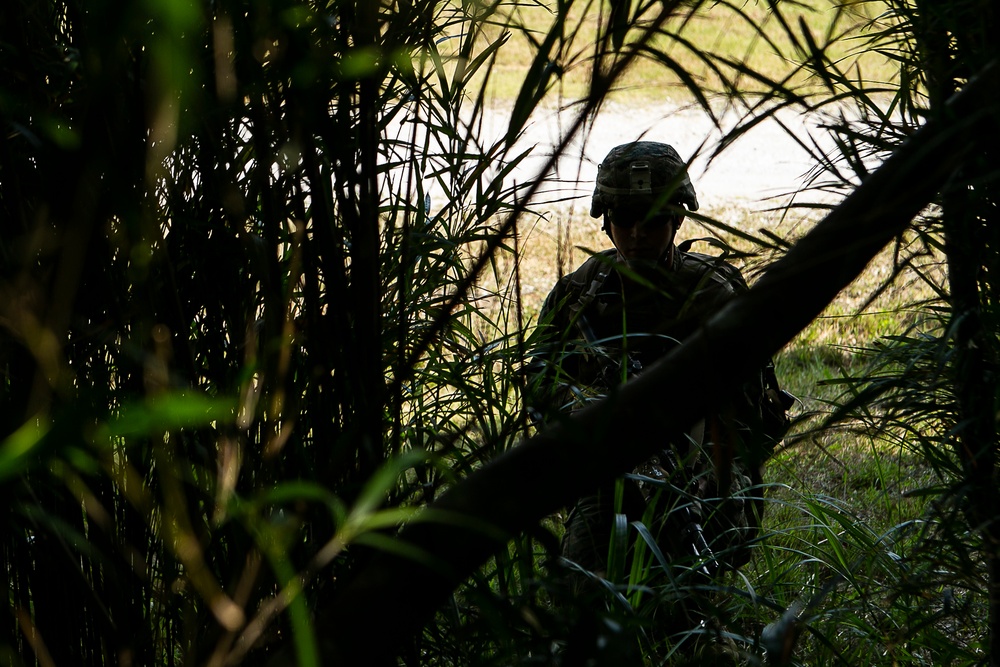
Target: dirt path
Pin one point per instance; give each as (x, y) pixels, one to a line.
(757, 171)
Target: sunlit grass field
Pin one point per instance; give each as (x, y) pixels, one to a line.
(733, 37)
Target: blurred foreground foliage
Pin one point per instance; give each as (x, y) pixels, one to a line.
(259, 305)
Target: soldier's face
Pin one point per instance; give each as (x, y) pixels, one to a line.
(639, 235)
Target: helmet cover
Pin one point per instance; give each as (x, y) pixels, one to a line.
(642, 171)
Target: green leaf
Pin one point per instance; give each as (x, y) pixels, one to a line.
(377, 489)
(360, 63)
(18, 449)
(165, 413)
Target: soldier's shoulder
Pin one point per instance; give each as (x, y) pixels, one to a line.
(572, 285)
(714, 268)
(598, 263)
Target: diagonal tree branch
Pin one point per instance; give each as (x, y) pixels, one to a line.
(393, 596)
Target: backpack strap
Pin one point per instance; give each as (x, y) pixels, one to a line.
(589, 278)
(592, 277)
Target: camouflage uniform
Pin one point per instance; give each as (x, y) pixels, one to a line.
(612, 317)
(599, 298)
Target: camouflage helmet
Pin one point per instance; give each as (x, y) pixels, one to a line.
(642, 170)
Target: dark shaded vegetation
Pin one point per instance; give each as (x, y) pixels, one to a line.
(248, 330)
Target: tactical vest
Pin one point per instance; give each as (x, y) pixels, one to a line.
(608, 334)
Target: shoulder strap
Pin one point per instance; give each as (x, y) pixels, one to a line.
(589, 279)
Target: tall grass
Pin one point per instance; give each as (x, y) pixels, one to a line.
(264, 300)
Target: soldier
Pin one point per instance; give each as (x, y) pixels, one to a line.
(620, 311)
